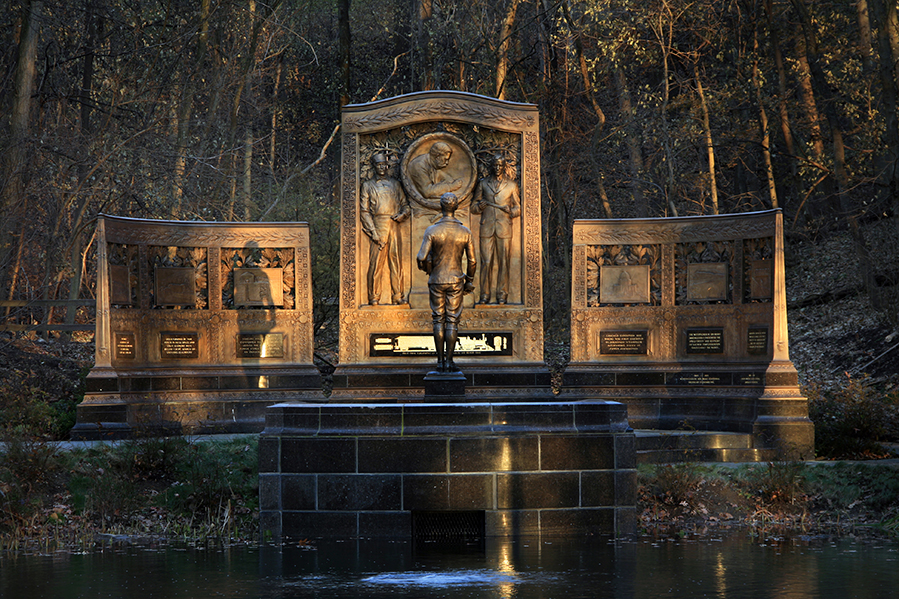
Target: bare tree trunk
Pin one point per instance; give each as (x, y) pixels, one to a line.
(248, 174)
(14, 175)
(763, 122)
(783, 93)
(890, 85)
(709, 144)
(344, 43)
(422, 75)
(819, 82)
(502, 54)
(864, 35)
(634, 143)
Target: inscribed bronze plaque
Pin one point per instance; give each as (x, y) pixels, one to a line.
(258, 287)
(757, 341)
(699, 379)
(421, 344)
(707, 282)
(705, 341)
(124, 346)
(119, 285)
(750, 379)
(623, 342)
(624, 284)
(260, 345)
(178, 345)
(760, 279)
(175, 286)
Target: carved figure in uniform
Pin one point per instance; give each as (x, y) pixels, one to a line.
(440, 256)
(498, 202)
(383, 207)
(428, 172)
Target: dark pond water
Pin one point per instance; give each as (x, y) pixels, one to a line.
(730, 567)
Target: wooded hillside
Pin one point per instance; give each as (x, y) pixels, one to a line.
(227, 110)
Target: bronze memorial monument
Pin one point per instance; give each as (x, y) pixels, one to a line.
(486, 153)
(200, 326)
(479, 446)
(685, 321)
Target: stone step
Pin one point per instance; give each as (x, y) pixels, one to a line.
(665, 447)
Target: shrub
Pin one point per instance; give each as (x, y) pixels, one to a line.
(851, 420)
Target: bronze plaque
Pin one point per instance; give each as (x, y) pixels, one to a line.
(757, 341)
(750, 379)
(175, 286)
(707, 282)
(422, 344)
(260, 345)
(699, 379)
(124, 346)
(624, 342)
(179, 345)
(760, 279)
(624, 284)
(258, 287)
(705, 341)
(119, 285)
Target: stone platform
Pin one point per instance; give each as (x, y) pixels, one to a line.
(384, 470)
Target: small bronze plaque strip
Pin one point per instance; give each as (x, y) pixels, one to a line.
(119, 285)
(700, 379)
(384, 345)
(757, 341)
(179, 345)
(624, 342)
(707, 282)
(258, 287)
(124, 346)
(760, 279)
(750, 379)
(175, 286)
(260, 345)
(624, 284)
(705, 341)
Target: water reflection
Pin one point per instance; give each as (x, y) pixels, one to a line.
(729, 567)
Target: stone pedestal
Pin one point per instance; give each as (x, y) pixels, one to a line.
(444, 386)
(374, 470)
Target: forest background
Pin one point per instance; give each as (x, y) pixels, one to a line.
(228, 110)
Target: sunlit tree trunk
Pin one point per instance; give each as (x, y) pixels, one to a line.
(709, 144)
(848, 211)
(782, 92)
(763, 123)
(502, 54)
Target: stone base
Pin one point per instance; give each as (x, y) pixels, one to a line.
(483, 382)
(201, 401)
(444, 386)
(765, 403)
(368, 470)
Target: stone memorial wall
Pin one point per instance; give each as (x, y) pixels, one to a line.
(199, 325)
(399, 156)
(684, 320)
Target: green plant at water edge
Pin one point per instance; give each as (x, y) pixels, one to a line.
(673, 484)
(777, 483)
(851, 420)
(848, 486)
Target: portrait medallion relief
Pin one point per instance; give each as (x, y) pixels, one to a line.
(435, 164)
